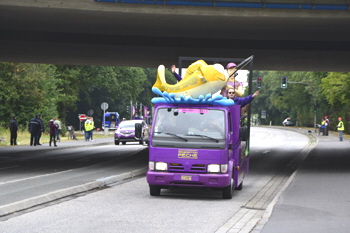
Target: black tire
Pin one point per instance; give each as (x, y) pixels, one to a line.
(154, 190)
(227, 192)
(240, 186)
(116, 142)
(123, 143)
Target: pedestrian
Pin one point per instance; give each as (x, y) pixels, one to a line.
(34, 128)
(13, 130)
(93, 127)
(88, 125)
(323, 126)
(326, 124)
(53, 128)
(56, 121)
(136, 117)
(42, 129)
(340, 129)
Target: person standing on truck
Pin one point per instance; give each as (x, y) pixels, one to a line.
(176, 75)
(231, 82)
(243, 101)
(340, 129)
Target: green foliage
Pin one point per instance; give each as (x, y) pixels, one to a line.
(64, 91)
(329, 92)
(27, 89)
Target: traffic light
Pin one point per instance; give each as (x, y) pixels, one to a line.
(284, 82)
(128, 109)
(315, 109)
(259, 82)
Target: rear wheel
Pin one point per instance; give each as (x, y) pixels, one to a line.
(227, 192)
(116, 142)
(154, 190)
(123, 143)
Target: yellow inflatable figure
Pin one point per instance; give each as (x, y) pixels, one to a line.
(200, 79)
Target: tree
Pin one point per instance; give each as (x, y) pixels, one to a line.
(27, 90)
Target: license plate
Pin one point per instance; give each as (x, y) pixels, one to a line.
(186, 177)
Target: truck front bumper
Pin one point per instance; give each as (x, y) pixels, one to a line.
(167, 179)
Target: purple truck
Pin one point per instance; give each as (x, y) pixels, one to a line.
(198, 145)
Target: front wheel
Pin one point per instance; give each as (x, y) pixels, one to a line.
(227, 192)
(116, 142)
(240, 186)
(154, 190)
(123, 143)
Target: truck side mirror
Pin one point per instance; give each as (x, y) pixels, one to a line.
(243, 133)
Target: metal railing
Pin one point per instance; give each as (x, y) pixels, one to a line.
(263, 4)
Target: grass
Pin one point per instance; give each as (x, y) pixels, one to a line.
(23, 137)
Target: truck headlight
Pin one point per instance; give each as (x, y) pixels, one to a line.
(217, 168)
(161, 166)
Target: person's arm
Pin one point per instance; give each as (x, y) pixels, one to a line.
(176, 75)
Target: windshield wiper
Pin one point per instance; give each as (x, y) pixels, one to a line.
(203, 136)
(175, 135)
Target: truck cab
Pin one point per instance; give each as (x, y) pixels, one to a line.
(199, 146)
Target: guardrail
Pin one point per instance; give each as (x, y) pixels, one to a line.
(243, 4)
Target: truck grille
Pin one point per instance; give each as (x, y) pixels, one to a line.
(177, 167)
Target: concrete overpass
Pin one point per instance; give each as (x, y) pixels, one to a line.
(147, 34)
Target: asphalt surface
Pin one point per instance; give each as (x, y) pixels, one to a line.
(316, 198)
(81, 181)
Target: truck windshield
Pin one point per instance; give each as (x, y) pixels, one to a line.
(190, 123)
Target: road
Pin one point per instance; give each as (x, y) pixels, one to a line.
(317, 198)
(126, 206)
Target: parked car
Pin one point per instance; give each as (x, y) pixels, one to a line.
(287, 122)
(131, 131)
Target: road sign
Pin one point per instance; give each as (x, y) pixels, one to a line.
(82, 117)
(104, 106)
(90, 112)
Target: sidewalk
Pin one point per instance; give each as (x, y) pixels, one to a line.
(62, 144)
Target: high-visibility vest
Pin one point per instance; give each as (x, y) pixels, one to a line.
(89, 125)
(340, 125)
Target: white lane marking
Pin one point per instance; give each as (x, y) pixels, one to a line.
(4, 168)
(34, 177)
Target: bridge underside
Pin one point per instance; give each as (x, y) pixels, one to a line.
(145, 36)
